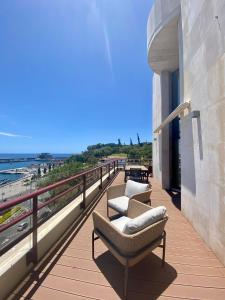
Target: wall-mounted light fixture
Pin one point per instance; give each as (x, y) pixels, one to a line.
(195, 114)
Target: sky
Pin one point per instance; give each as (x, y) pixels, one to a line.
(73, 73)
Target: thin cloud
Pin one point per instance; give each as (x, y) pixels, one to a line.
(9, 134)
(108, 47)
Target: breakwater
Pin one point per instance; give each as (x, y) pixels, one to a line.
(12, 160)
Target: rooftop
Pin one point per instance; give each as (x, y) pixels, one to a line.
(192, 271)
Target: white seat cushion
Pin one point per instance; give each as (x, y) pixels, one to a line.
(133, 188)
(146, 219)
(120, 204)
(120, 222)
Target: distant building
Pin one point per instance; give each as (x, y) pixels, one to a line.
(45, 156)
(186, 51)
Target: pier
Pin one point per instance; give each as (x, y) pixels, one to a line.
(15, 171)
(13, 160)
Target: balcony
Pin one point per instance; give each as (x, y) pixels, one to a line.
(162, 35)
(191, 272)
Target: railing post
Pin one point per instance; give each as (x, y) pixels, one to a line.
(35, 227)
(114, 167)
(109, 170)
(84, 191)
(100, 178)
(117, 165)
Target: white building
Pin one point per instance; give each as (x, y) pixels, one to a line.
(186, 51)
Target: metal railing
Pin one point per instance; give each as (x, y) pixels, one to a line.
(138, 161)
(59, 194)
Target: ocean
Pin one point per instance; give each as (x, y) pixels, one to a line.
(15, 165)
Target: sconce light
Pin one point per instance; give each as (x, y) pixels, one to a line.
(195, 114)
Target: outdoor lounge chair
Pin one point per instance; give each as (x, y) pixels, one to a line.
(135, 174)
(127, 247)
(118, 195)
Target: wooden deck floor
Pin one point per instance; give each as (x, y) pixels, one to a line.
(191, 272)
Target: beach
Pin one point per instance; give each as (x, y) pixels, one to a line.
(16, 174)
(17, 188)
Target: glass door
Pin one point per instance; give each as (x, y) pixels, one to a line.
(175, 134)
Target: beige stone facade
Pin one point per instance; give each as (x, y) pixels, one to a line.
(188, 38)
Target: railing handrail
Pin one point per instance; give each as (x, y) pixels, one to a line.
(40, 191)
(36, 206)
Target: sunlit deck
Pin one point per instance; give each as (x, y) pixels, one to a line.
(191, 272)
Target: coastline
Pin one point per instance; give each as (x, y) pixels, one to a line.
(12, 164)
(15, 176)
(16, 188)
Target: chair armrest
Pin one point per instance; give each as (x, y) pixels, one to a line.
(136, 208)
(143, 197)
(116, 191)
(105, 227)
(108, 232)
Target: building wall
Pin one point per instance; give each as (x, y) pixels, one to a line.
(156, 119)
(161, 109)
(201, 34)
(163, 19)
(159, 15)
(203, 139)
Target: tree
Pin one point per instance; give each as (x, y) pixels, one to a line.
(39, 171)
(119, 142)
(131, 142)
(133, 153)
(138, 139)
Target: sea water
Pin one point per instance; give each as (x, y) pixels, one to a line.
(22, 164)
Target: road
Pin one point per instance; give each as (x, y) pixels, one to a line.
(12, 233)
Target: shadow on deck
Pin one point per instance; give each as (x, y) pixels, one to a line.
(175, 198)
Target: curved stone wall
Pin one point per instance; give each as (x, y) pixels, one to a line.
(162, 35)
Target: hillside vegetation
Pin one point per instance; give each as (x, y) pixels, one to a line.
(92, 155)
(98, 151)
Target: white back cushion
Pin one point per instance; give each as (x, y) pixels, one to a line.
(120, 222)
(133, 188)
(146, 219)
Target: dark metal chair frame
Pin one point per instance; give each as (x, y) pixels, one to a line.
(127, 257)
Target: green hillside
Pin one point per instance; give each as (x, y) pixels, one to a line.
(98, 151)
(92, 155)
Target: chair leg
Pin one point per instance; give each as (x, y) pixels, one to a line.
(107, 210)
(93, 245)
(164, 249)
(125, 282)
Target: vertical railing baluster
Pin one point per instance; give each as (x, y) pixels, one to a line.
(109, 170)
(100, 178)
(84, 191)
(114, 167)
(35, 231)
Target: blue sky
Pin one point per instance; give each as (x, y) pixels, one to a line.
(73, 73)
